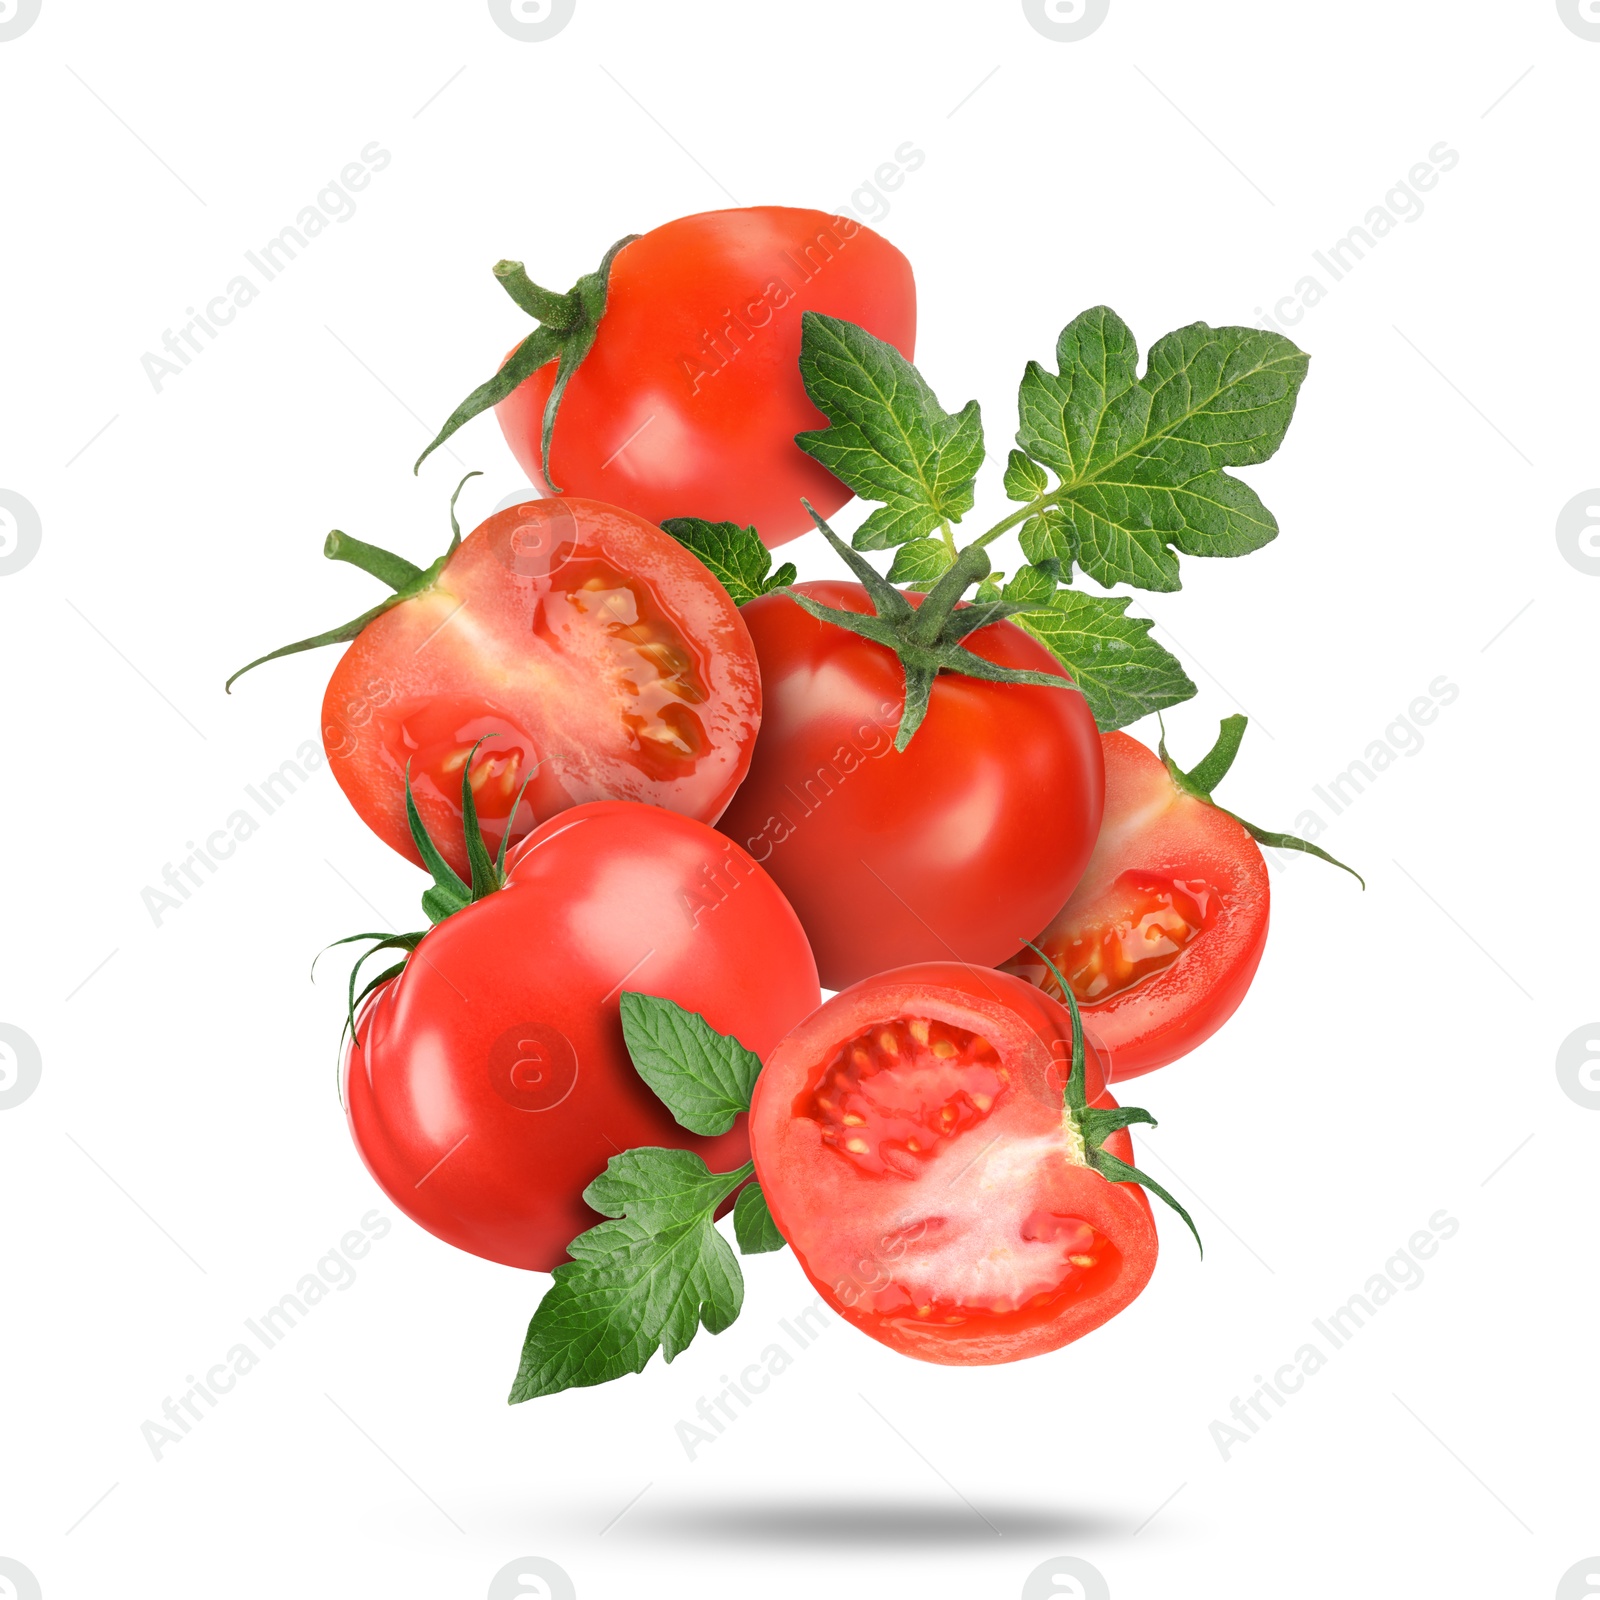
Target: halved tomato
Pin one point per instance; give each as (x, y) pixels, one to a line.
(1164, 932)
(912, 1143)
(594, 656)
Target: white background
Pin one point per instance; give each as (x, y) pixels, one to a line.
(184, 1160)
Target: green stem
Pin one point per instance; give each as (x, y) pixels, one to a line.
(949, 536)
(1032, 509)
(555, 310)
(383, 565)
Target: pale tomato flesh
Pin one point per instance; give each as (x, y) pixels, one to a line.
(912, 1144)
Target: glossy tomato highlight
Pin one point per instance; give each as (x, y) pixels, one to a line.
(594, 656)
(955, 847)
(1161, 938)
(910, 1140)
(489, 1082)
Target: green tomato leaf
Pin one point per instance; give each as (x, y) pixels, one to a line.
(646, 1281)
(1123, 672)
(1141, 460)
(1033, 585)
(921, 562)
(989, 590)
(1050, 536)
(735, 556)
(890, 440)
(704, 1078)
(753, 1226)
(1024, 480)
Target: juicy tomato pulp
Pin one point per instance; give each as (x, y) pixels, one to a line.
(689, 400)
(598, 655)
(1144, 927)
(910, 1140)
(955, 846)
(489, 1083)
(1165, 931)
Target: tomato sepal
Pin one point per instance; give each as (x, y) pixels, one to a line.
(925, 638)
(448, 894)
(1090, 1126)
(379, 941)
(405, 578)
(1202, 778)
(569, 324)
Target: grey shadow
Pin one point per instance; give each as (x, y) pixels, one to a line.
(849, 1522)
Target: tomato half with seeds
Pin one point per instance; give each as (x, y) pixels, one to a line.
(1162, 936)
(952, 848)
(910, 1140)
(594, 656)
(489, 1082)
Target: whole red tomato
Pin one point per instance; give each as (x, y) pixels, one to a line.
(955, 847)
(688, 400)
(910, 1141)
(594, 656)
(1164, 933)
(489, 1082)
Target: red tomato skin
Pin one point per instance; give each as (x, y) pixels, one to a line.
(1151, 825)
(689, 400)
(831, 1214)
(949, 849)
(605, 896)
(470, 651)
